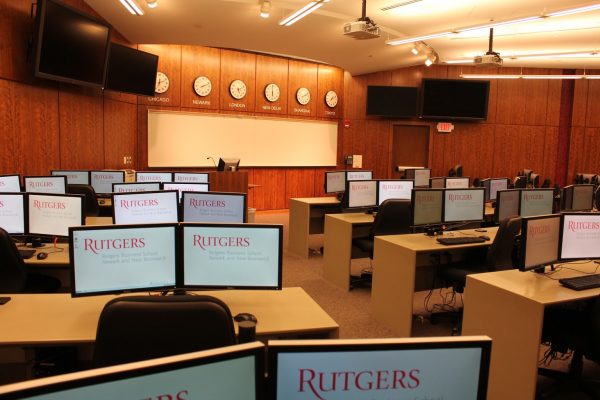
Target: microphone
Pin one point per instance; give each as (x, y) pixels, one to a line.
(213, 160)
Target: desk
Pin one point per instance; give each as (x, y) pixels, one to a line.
(339, 231)
(401, 265)
(58, 319)
(306, 218)
(509, 307)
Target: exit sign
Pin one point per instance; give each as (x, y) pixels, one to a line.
(445, 127)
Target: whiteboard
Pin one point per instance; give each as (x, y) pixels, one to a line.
(181, 139)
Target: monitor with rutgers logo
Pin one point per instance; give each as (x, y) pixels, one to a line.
(126, 258)
(449, 368)
(56, 184)
(53, 214)
(227, 373)
(145, 207)
(237, 256)
(10, 183)
(214, 207)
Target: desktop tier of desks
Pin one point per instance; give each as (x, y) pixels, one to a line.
(508, 306)
(58, 319)
(307, 216)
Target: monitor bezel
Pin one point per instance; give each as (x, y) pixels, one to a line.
(233, 194)
(207, 174)
(457, 178)
(87, 172)
(498, 203)
(480, 189)
(412, 170)
(560, 238)
(181, 273)
(380, 181)
(109, 171)
(550, 190)
(437, 178)
(325, 183)
(57, 177)
(56, 384)
(18, 178)
(177, 254)
(25, 212)
(486, 184)
(160, 192)
(346, 198)
(523, 246)
(115, 184)
(137, 173)
(276, 347)
(413, 205)
(80, 196)
(572, 189)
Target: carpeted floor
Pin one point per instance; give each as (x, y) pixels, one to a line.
(352, 309)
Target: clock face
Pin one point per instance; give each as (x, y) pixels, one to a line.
(331, 98)
(202, 86)
(272, 92)
(162, 83)
(237, 89)
(303, 96)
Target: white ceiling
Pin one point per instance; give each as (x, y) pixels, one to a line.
(236, 24)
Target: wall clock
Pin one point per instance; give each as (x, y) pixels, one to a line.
(272, 92)
(331, 98)
(162, 83)
(202, 86)
(303, 96)
(237, 89)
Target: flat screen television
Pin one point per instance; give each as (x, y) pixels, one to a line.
(131, 70)
(392, 101)
(70, 46)
(74, 177)
(539, 242)
(203, 374)
(145, 207)
(380, 369)
(228, 164)
(13, 213)
(53, 214)
(10, 183)
(454, 99)
(232, 256)
(214, 207)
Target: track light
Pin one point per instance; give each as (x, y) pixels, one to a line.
(416, 49)
(132, 7)
(265, 9)
(152, 3)
(431, 59)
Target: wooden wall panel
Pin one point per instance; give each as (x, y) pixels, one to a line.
(271, 70)
(575, 160)
(169, 63)
(593, 105)
(410, 76)
(379, 152)
(319, 181)
(119, 119)
(355, 89)
(553, 105)
(81, 128)
(329, 78)
(302, 75)
(521, 101)
(200, 61)
(550, 154)
(299, 182)
(238, 65)
(270, 192)
(16, 26)
(438, 153)
(473, 143)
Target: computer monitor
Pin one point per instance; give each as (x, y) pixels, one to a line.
(427, 206)
(507, 204)
(145, 207)
(359, 175)
(185, 187)
(394, 189)
(10, 183)
(128, 258)
(439, 182)
(539, 242)
(419, 175)
(492, 185)
(228, 164)
(53, 214)
(360, 194)
(335, 181)
(380, 369)
(74, 177)
(150, 176)
(237, 256)
(464, 205)
(536, 202)
(102, 181)
(130, 187)
(226, 373)
(191, 177)
(45, 184)
(577, 198)
(13, 213)
(579, 236)
(214, 207)
(457, 182)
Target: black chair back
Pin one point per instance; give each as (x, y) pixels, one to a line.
(393, 218)
(12, 267)
(134, 328)
(92, 209)
(499, 255)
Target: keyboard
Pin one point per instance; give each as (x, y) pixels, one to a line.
(26, 253)
(448, 241)
(581, 282)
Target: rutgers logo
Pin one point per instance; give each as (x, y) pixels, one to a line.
(391, 187)
(535, 231)
(529, 197)
(198, 203)
(127, 204)
(578, 226)
(98, 245)
(49, 205)
(459, 197)
(220, 241)
(181, 395)
(105, 177)
(425, 198)
(36, 184)
(320, 383)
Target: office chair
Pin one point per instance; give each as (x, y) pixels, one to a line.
(92, 209)
(545, 183)
(477, 182)
(393, 218)
(534, 180)
(14, 277)
(576, 327)
(134, 328)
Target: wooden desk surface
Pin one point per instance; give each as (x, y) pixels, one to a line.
(353, 218)
(317, 200)
(51, 319)
(419, 242)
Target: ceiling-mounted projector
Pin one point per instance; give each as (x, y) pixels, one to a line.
(363, 28)
(488, 59)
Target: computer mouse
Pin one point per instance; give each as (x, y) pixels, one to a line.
(42, 255)
(485, 237)
(244, 317)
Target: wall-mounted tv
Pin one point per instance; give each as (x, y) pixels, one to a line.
(392, 101)
(454, 99)
(70, 46)
(131, 70)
